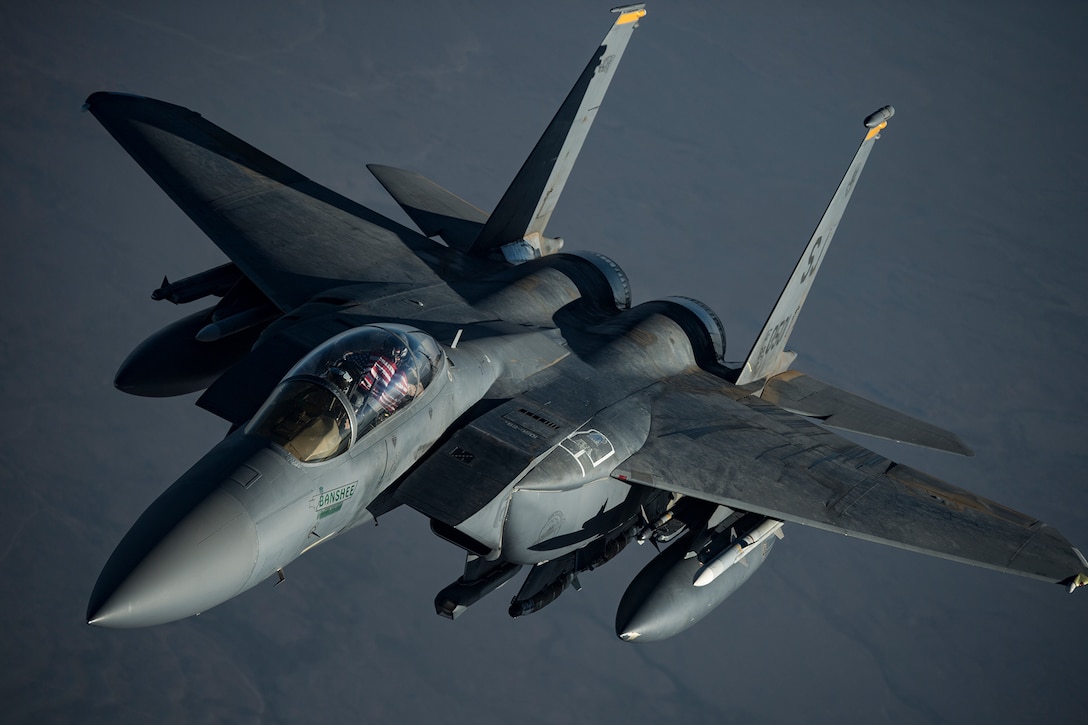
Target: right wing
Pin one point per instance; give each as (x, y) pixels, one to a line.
(712, 441)
(292, 237)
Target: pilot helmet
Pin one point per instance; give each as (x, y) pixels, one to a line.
(342, 379)
(397, 351)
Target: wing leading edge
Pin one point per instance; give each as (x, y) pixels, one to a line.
(291, 236)
(715, 442)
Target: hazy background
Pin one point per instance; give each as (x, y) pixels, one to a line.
(955, 291)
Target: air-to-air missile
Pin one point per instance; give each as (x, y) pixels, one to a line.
(717, 563)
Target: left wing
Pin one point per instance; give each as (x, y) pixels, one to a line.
(713, 441)
(291, 236)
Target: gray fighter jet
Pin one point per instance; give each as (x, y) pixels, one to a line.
(508, 392)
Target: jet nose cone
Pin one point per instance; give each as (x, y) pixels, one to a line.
(205, 559)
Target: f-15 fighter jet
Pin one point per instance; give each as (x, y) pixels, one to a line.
(507, 391)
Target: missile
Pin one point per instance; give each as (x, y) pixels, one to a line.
(229, 325)
(646, 531)
(216, 281)
(732, 554)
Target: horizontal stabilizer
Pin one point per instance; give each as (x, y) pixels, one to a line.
(436, 211)
(801, 394)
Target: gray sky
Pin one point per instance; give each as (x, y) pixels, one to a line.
(955, 291)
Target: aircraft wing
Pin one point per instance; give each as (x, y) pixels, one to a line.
(292, 237)
(714, 442)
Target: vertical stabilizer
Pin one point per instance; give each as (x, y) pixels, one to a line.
(768, 356)
(518, 221)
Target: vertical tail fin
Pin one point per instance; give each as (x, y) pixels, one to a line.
(767, 357)
(527, 205)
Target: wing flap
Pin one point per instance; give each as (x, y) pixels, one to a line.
(292, 237)
(805, 395)
(711, 442)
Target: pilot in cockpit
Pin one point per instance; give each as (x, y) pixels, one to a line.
(344, 388)
(380, 379)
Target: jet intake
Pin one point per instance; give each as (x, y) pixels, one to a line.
(191, 353)
(709, 347)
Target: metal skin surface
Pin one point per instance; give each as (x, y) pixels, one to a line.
(507, 392)
(662, 600)
(249, 508)
(173, 362)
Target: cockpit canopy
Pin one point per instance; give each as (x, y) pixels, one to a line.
(346, 387)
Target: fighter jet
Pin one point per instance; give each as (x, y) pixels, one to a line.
(507, 391)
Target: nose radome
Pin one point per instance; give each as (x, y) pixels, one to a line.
(204, 560)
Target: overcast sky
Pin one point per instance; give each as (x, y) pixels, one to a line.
(955, 291)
